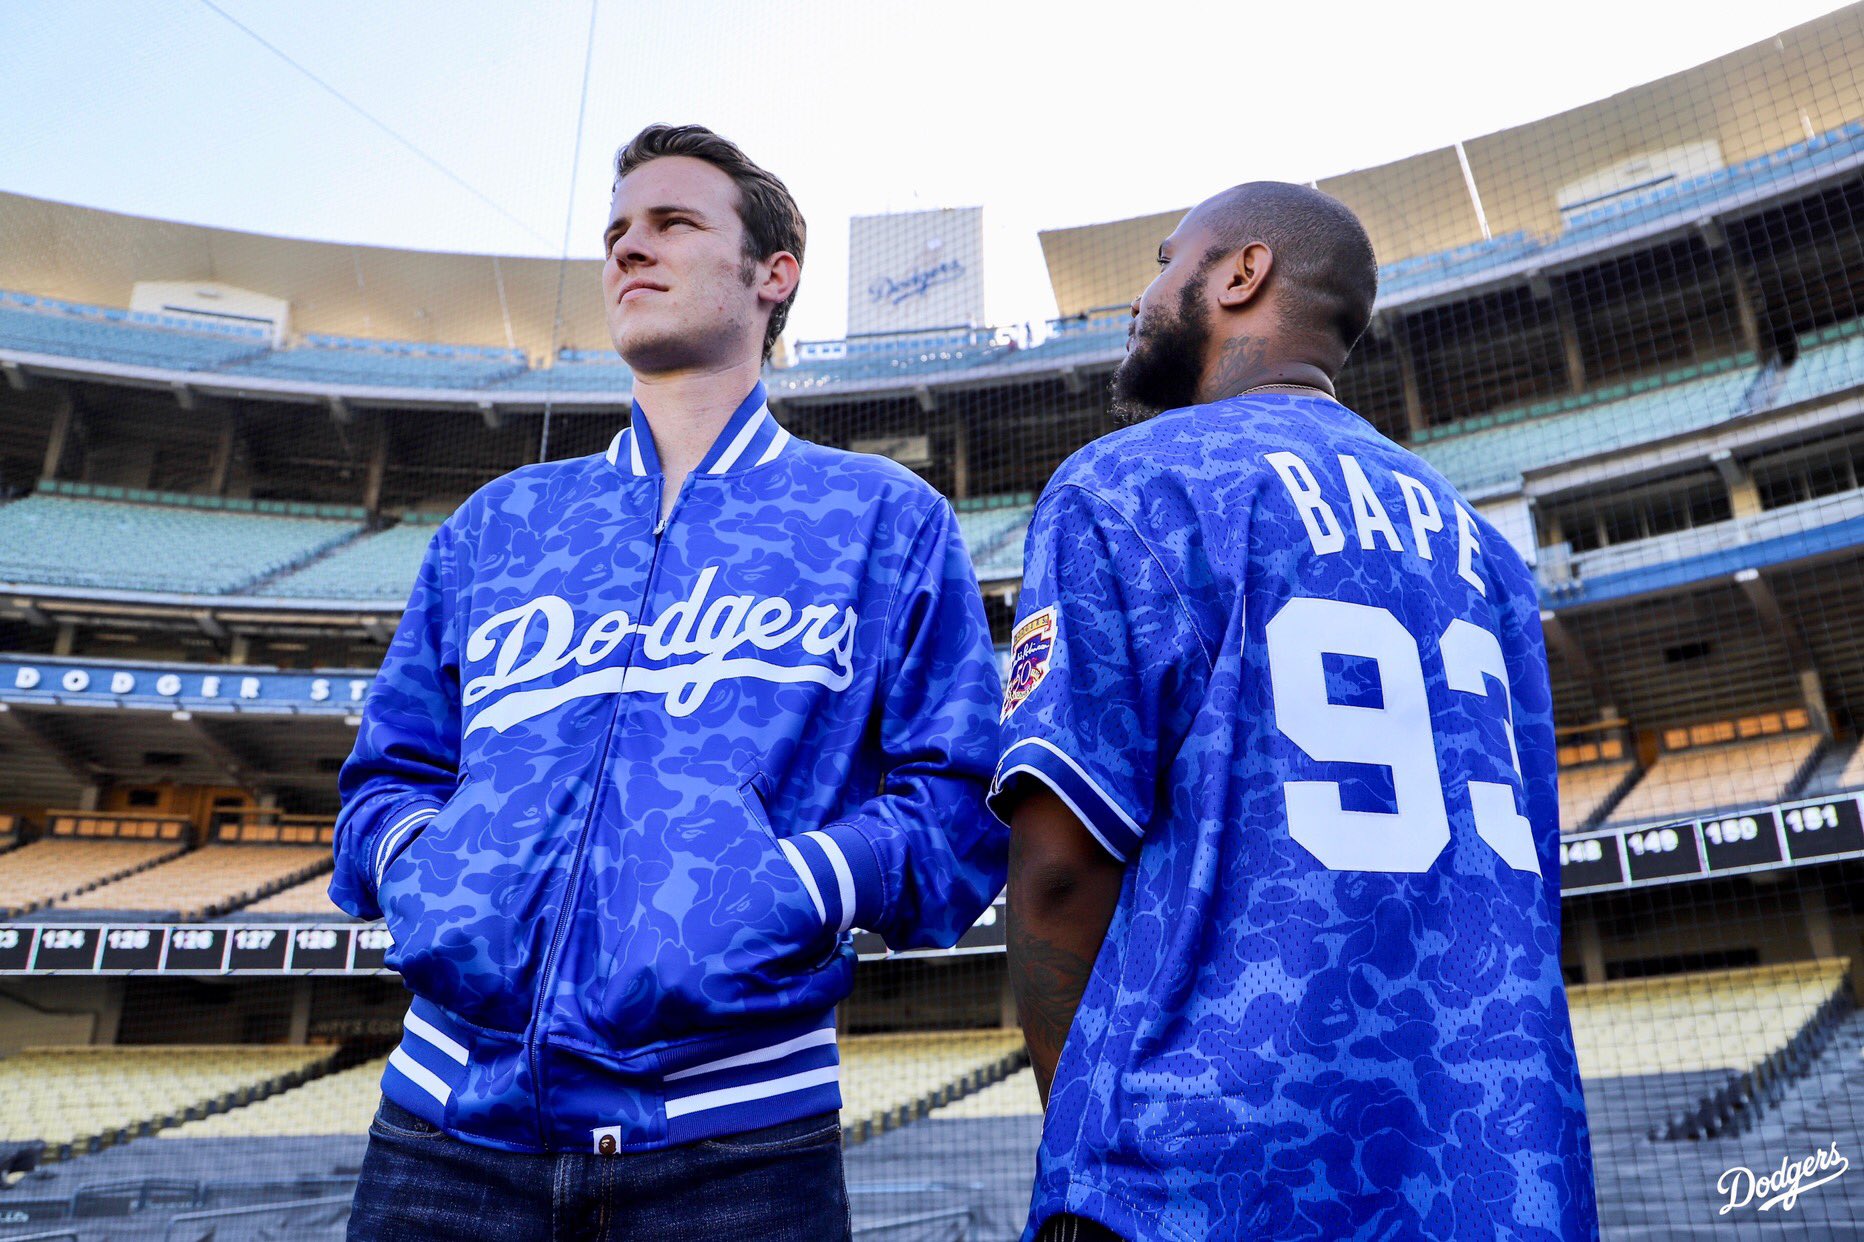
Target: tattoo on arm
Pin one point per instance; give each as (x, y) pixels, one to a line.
(1048, 979)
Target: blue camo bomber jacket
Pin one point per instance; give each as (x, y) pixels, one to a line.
(623, 786)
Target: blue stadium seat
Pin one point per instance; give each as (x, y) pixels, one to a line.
(1829, 361)
(377, 567)
(68, 330)
(58, 540)
(993, 535)
(1459, 263)
(385, 364)
(1613, 418)
(1701, 195)
(894, 357)
(578, 371)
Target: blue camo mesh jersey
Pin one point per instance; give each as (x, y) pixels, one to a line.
(623, 785)
(1278, 667)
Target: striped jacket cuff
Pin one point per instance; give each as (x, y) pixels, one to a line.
(1118, 832)
(841, 872)
(399, 827)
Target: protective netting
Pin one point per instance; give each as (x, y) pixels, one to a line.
(1631, 334)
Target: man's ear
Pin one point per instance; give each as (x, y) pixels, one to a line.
(780, 273)
(1245, 275)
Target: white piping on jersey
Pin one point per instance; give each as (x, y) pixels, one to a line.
(776, 446)
(1080, 813)
(1092, 784)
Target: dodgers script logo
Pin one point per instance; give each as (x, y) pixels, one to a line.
(1032, 647)
(1783, 1185)
(713, 633)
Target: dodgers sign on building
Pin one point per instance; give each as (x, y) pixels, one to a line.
(170, 687)
(915, 270)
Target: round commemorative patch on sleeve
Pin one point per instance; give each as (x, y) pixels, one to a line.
(1032, 649)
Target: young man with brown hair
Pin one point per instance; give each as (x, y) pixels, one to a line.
(661, 725)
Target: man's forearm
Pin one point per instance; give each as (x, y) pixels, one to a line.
(1050, 961)
(1061, 899)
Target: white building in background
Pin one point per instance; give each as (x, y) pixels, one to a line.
(914, 270)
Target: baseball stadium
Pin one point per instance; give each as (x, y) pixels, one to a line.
(1630, 334)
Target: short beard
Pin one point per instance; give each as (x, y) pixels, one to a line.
(1165, 361)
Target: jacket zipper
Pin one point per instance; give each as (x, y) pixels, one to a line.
(546, 984)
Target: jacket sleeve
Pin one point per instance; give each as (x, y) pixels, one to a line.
(406, 760)
(920, 860)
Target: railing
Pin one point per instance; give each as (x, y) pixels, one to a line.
(219, 1214)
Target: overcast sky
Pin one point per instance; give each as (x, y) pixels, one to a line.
(1047, 115)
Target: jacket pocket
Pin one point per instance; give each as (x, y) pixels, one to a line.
(457, 901)
(708, 925)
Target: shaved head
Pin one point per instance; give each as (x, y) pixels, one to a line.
(1265, 283)
(1325, 272)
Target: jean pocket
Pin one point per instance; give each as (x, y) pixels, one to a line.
(394, 1121)
(803, 1135)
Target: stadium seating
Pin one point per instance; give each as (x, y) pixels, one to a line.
(906, 356)
(993, 531)
(887, 1080)
(1851, 776)
(206, 881)
(378, 566)
(576, 371)
(385, 364)
(1014, 1096)
(55, 869)
(1701, 196)
(339, 1103)
(1671, 1024)
(1830, 360)
(307, 898)
(1491, 450)
(80, 1098)
(1456, 264)
(1587, 790)
(68, 330)
(1093, 333)
(1686, 783)
(168, 546)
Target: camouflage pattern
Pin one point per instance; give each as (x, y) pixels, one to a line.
(621, 793)
(1330, 1002)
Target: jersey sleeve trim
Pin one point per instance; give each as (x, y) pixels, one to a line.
(1118, 833)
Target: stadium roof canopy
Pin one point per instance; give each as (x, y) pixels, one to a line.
(84, 255)
(1758, 99)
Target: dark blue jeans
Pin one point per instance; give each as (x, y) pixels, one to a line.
(781, 1184)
